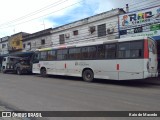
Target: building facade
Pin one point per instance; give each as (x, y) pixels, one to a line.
(4, 45)
(98, 27)
(40, 39)
(15, 42)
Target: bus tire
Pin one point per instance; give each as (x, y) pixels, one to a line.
(88, 75)
(43, 72)
(19, 72)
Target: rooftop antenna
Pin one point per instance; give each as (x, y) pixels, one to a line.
(14, 30)
(43, 24)
(127, 8)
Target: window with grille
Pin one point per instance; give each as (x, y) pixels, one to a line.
(61, 39)
(101, 30)
(42, 41)
(3, 45)
(75, 32)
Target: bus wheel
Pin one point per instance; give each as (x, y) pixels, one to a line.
(88, 75)
(43, 72)
(19, 71)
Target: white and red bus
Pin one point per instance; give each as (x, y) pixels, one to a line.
(118, 59)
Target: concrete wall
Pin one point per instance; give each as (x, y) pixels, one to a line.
(84, 34)
(4, 50)
(36, 43)
(52, 36)
(4, 45)
(109, 18)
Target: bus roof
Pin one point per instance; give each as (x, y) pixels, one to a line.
(101, 41)
(12, 57)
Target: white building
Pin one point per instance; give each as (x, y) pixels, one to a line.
(37, 40)
(4, 45)
(104, 25)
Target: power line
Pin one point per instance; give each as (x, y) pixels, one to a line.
(146, 2)
(136, 3)
(41, 16)
(146, 5)
(140, 4)
(34, 13)
(47, 7)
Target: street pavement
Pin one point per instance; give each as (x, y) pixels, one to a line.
(57, 93)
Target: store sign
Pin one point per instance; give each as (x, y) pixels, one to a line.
(15, 42)
(148, 34)
(145, 22)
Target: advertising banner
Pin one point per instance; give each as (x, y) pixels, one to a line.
(140, 23)
(15, 42)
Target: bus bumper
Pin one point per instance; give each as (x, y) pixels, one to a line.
(148, 75)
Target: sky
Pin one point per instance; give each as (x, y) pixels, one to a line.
(35, 15)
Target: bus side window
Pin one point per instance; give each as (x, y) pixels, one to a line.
(92, 52)
(51, 55)
(130, 49)
(124, 50)
(43, 55)
(36, 58)
(84, 52)
(110, 51)
(74, 53)
(89, 52)
(136, 49)
(62, 54)
(100, 52)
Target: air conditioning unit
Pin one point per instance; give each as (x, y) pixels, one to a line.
(67, 35)
(110, 30)
(92, 29)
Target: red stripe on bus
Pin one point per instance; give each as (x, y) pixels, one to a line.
(146, 52)
(117, 66)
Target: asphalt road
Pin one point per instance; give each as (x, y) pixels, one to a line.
(55, 93)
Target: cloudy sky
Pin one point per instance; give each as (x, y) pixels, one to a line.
(34, 15)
